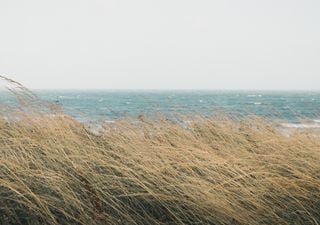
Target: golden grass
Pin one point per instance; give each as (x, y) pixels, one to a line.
(53, 170)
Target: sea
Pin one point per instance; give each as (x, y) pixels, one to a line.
(295, 109)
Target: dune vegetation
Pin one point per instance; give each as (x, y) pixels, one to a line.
(54, 170)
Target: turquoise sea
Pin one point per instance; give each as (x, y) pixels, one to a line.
(289, 106)
(110, 105)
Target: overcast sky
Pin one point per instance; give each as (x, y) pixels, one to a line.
(167, 44)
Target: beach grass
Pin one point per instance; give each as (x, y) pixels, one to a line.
(54, 170)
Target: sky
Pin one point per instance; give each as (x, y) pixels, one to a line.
(167, 44)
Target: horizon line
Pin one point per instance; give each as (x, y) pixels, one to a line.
(170, 89)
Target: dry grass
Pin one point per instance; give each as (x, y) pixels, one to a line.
(54, 171)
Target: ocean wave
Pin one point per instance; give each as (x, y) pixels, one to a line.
(109, 121)
(253, 96)
(65, 97)
(302, 125)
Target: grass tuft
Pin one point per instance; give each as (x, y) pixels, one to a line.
(53, 170)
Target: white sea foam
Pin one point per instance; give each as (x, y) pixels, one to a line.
(65, 97)
(109, 121)
(257, 103)
(186, 124)
(301, 125)
(316, 121)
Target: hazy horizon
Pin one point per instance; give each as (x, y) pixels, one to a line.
(167, 45)
(177, 90)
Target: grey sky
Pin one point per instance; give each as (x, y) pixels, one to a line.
(170, 44)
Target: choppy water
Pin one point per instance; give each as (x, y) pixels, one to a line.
(109, 105)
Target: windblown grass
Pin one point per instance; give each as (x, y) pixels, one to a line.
(53, 170)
